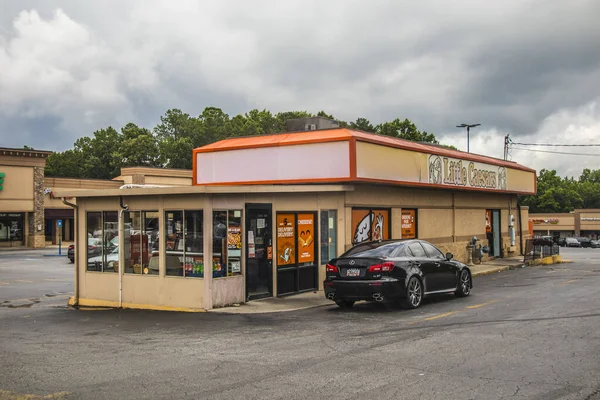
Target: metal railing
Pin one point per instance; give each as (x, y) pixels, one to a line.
(540, 248)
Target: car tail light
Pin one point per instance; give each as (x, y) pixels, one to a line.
(385, 267)
(331, 268)
(91, 247)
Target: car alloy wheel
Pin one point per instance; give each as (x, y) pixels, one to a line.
(464, 284)
(414, 293)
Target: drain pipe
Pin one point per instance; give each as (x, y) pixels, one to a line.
(520, 226)
(75, 250)
(124, 207)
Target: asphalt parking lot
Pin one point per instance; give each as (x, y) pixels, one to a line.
(527, 333)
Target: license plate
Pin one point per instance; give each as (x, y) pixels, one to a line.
(353, 272)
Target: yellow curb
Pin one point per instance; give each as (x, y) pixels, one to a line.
(85, 303)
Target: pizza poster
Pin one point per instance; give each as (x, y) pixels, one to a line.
(306, 242)
(286, 239)
(409, 226)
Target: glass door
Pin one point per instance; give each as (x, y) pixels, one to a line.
(495, 250)
(259, 251)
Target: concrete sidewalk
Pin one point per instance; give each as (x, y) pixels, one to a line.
(317, 298)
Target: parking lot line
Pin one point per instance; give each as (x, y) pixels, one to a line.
(569, 281)
(481, 305)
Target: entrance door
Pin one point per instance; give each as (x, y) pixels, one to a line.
(495, 250)
(259, 251)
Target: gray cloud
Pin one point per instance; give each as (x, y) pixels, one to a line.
(511, 66)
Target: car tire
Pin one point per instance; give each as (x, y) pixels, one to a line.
(345, 303)
(414, 293)
(463, 288)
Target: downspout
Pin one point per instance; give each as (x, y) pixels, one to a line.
(124, 207)
(520, 226)
(75, 251)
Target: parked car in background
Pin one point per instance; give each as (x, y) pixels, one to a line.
(595, 244)
(562, 242)
(584, 242)
(399, 271)
(94, 248)
(572, 242)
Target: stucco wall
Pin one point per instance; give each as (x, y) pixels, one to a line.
(17, 192)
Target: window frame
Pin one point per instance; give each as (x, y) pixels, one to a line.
(324, 235)
(241, 256)
(103, 252)
(183, 246)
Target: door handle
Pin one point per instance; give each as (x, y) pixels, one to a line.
(415, 264)
(437, 264)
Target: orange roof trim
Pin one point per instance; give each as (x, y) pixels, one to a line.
(345, 134)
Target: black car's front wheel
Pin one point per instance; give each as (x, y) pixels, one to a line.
(345, 303)
(464, 284)
(414, 293)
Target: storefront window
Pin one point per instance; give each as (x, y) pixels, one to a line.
(102, 241)
(140, 234)
(227, 243)
(370, 224)
(184, 243)
(328, 235)
(409, 223)
(11, 227)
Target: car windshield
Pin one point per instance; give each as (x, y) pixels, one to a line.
(373, 250)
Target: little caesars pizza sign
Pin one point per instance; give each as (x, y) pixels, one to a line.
(455, 172)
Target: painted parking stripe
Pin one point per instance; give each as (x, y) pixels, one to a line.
(481, 305)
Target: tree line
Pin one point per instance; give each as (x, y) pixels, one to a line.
(170, 143)
(560, 195)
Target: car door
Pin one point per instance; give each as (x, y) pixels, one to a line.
(430, 272)
(445, 270)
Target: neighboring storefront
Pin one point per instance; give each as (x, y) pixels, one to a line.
(579, 223)
(21, 197)
(265, 214)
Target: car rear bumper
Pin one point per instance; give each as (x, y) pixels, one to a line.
(384, 289)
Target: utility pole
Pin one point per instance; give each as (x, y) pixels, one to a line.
(506, 142)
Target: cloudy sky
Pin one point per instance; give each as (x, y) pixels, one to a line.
(528, 68)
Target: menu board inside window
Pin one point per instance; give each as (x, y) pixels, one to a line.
(306, 241)
(409, 224)
(488, 221)
(370, 224)
(286, 239)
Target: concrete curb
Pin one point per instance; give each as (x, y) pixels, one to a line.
(491, 271)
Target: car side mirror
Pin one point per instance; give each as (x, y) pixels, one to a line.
(449, 256)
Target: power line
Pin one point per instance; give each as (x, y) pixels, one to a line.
(553, 144)
(557, 152)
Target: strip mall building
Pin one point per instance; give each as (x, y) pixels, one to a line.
(579, 223)
(265, 214)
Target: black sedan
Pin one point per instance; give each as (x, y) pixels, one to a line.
(398, 271)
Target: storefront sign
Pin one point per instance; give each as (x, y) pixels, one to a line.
(409, 224)
(286, 239)
(455, 172)
(370, 224)
(2, 176)
(306, 243)
(546, 221)
(590, 219)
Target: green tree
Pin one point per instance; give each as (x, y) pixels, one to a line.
(175, 136)
(138, 147)
(67, 164)
(363, 124)
(405, 130)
